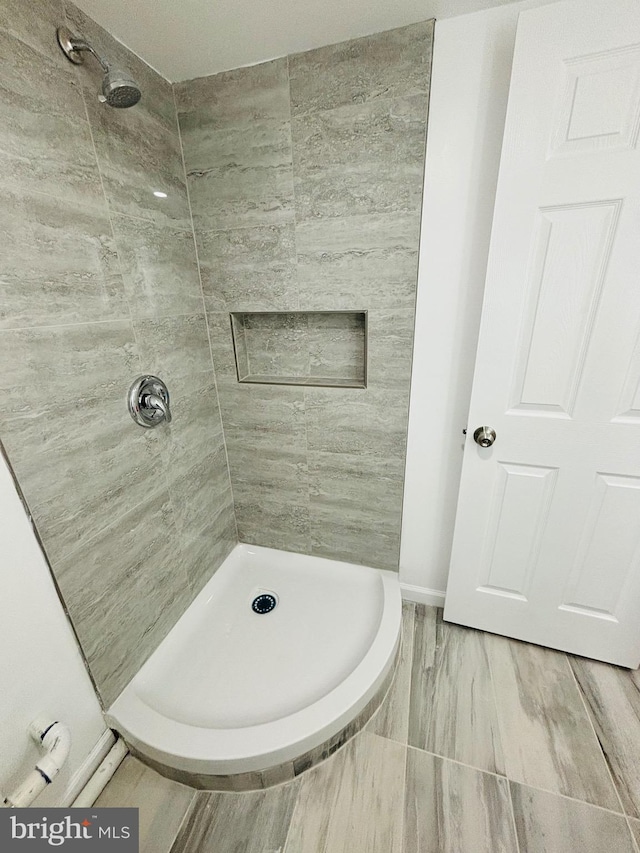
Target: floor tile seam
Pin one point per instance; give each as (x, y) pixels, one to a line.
(509, 779)
(567, 797)
(496, 705)
(456, 761)
(403, 810)
(187, 813)
(294, 811)
(585, 705)
(204, 306)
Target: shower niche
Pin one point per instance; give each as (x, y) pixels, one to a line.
(318, 348)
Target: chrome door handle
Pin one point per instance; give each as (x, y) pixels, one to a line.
(484, 436)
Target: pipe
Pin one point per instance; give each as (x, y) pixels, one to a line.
(98, 782)
(54, 738)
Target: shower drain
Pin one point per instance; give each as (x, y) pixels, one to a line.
(263, 603)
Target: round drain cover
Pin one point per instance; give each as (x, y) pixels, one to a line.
(263, 603)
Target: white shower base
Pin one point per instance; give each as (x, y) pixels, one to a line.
(232, 691)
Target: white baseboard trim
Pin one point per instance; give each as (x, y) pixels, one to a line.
(422, 595)
(89, 766)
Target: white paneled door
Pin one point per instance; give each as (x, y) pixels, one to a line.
(547, 538)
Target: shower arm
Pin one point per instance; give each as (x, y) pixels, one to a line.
(73, 48)
(79, 45)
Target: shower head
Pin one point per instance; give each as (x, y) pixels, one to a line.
(118, 88)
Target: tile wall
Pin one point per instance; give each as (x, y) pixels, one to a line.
(99, 283)
(305, 181)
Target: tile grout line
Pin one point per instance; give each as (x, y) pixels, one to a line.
(495, 705)
(123, 319)
(187, 813)
(204, 306)
(298, 305)
(295, 808)
(513, 816)
(604, 758)
(515, 781)
(403, 811)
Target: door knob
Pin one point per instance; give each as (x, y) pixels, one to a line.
(484, 436)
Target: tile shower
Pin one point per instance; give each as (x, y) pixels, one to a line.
(316, 209)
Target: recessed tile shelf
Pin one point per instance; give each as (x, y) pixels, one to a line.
(326, 348)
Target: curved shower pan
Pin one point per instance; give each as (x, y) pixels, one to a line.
(270, 669)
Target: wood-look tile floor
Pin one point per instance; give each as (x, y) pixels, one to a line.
(482, 745)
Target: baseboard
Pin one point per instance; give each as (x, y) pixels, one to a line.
(89, 766)
(422, 595)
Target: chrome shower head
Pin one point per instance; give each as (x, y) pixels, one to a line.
(118, 88)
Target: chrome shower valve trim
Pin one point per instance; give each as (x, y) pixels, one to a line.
(149, 401)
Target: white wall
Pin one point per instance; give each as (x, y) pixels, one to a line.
(40, 667)
(469, 92)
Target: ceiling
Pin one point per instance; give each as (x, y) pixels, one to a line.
(183, 39)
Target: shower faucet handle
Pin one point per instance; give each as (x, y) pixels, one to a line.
(149, 401)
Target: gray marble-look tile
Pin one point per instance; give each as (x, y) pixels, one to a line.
(548, 823)
(356, 421)
(453, 711)
(613, 700)
(81, 466)
(205, 550)
(359, 160)
(162, 804)
(196, 428)
(173, 348)
(355, 505)
(59, 263)
(125, 589)
(157, 94)
(263, 416)
(276, 344)
(249, 269)
(450, 808)
(138, 156)
(239, 178)
(234, 98)
(222, 351)
(390, 348)
(272, 523)
(34, 23)
(392, 718)
(339, 799)
(45, 142)
(547, 739)
(57, 365)
(200, 492)
(337, 346)
(358, 262)
(389, 64)
(159, 268)
(267, 471)
(254, 822)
